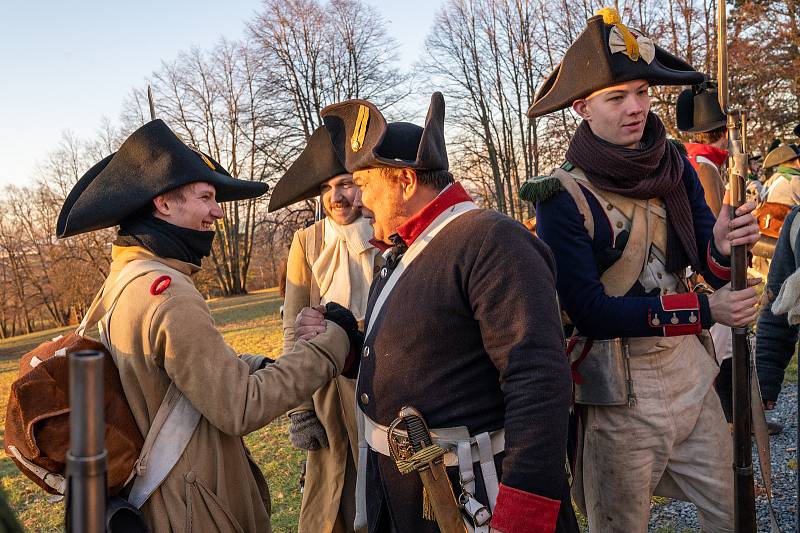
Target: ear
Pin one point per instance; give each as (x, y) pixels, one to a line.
(162, 205)
(581, 107)
(408, 182)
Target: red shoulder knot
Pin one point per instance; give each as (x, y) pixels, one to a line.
(160, 284)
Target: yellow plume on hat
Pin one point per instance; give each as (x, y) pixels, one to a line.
(611, 16)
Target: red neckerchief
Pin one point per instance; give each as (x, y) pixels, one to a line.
(411, 228)
(712, 153)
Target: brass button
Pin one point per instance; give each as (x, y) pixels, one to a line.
(364, 398)
(620, 224)
(609, 207)
(659, 276)
(189, 477)
(365, 351)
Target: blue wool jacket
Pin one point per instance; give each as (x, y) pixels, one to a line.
(597, 315)
(775, 338)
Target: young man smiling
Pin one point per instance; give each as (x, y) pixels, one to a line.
(625, 216)
(329, 261)
(163, 196)
(458, 328)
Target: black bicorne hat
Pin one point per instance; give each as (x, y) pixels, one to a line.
(316, 164)
(604, 54)
(152, 161)
(698, 109)
(363, 139)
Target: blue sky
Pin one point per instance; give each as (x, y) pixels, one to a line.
(67, 64)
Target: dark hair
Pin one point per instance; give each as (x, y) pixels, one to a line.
(435, 179)
(710, 137)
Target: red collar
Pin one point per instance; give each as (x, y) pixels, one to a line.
(380, 245)
(712, 153)
(411, 228)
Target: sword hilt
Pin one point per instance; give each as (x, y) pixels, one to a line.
(418, 434)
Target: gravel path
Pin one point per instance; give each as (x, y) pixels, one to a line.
(681, 517)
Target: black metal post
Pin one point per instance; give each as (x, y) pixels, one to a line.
(86, 459)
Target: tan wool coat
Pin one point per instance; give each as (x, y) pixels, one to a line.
(329, 495)
(156, 339)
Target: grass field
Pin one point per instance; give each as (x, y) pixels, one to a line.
(251, 324)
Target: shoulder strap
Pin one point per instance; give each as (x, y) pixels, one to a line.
(169, 434)
(571, 186)
(176, 418)
(314, 242)
(106, 298)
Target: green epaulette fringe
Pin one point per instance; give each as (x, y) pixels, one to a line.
(540, 188)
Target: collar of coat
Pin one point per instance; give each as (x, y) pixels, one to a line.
(716, 155)
(122, 255)
(451, 195)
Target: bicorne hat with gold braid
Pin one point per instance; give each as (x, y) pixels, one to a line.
(363, 138)
(607, 53)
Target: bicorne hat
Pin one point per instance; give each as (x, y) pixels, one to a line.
(698, 109)
(316, 164)
(363, 139)
(781, 154)
(607, 53)
(152, 161)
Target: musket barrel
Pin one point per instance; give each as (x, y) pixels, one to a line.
(86, 459)
(743, 482)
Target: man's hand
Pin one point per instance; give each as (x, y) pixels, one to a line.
(743, 229)
(769, 405)
(734, 308)
(309, 323)
(306, 432)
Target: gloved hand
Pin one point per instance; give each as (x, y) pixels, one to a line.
(306, 431)
(342, 317)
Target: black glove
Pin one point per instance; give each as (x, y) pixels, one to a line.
(306, 432)
(342, 317)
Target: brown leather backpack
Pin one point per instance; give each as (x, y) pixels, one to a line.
(38, 411)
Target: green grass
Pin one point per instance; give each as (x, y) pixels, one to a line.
(251, 324)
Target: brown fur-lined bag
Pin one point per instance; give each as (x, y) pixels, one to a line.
(37, 415)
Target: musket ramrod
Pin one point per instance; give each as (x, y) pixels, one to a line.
(743, 483)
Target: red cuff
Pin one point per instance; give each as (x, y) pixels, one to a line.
(518, 511)
(679, 315)
(722, 272)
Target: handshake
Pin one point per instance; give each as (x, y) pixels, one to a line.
(306, 432)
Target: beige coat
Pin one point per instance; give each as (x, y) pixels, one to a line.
(155, 339)
(329, 498)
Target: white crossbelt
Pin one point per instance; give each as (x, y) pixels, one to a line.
(462, 450)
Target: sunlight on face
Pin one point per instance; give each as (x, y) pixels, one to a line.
(338, 195)
(198, 210)
(617, 114)
(380, 197)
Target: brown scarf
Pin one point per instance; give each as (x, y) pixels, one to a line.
(655, 171)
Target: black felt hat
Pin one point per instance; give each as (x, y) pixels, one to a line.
(152, 161)
(698, 109)
(363, 139)
(607, 53)
(317, 163)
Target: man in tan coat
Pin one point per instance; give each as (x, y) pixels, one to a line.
(164, 197)
(329, 261)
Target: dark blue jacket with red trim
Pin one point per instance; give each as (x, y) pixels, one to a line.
(599, 316)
